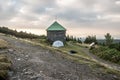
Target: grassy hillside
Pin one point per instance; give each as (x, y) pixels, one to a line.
(80, 56)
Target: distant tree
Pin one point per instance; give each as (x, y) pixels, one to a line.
(90, 39)
(108, 39)
(20, 34)
(74, 39)
(79, 40)
(67, 38)
(71, 38)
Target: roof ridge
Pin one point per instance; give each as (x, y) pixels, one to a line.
(55, 26)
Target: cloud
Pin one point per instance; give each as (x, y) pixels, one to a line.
(87, 14)
(117, 2)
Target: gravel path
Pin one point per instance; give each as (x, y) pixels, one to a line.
(32, 62)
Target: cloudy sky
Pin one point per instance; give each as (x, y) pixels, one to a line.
(80, 17)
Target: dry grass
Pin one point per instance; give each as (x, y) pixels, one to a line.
(5, 65)
(3, 74)
(3, 44)
(4, 59)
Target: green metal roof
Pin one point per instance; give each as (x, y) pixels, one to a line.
(55, 26)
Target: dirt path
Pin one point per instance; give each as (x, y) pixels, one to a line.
(32, 62)
(102, 62)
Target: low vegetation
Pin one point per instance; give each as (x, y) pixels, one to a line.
(106, 53)
(90, 39)
(73, 46)
(5, 63)
(109, 51)
(20, 34)
(73, 39)
(115, 46)
(3, 44)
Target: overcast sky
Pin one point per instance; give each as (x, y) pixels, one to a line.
(79, 17)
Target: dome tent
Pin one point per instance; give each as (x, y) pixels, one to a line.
(57, 43)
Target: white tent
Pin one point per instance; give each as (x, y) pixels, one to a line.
(57, 43)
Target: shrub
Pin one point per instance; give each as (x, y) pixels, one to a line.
(106, 53)
(115, 46)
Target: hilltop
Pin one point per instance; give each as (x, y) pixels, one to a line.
(33, 61)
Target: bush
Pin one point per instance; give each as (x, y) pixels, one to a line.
(106, 53)
(115, 46)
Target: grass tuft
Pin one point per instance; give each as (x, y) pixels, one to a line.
(3, 44)
(5, 65)
(3, 74)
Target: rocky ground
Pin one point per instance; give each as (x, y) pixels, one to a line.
(32, 62)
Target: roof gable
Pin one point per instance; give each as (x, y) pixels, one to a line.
(55, 26)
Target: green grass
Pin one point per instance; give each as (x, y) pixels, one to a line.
(99, 69)
(65, 49)
(74, 46)
(80, 56)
